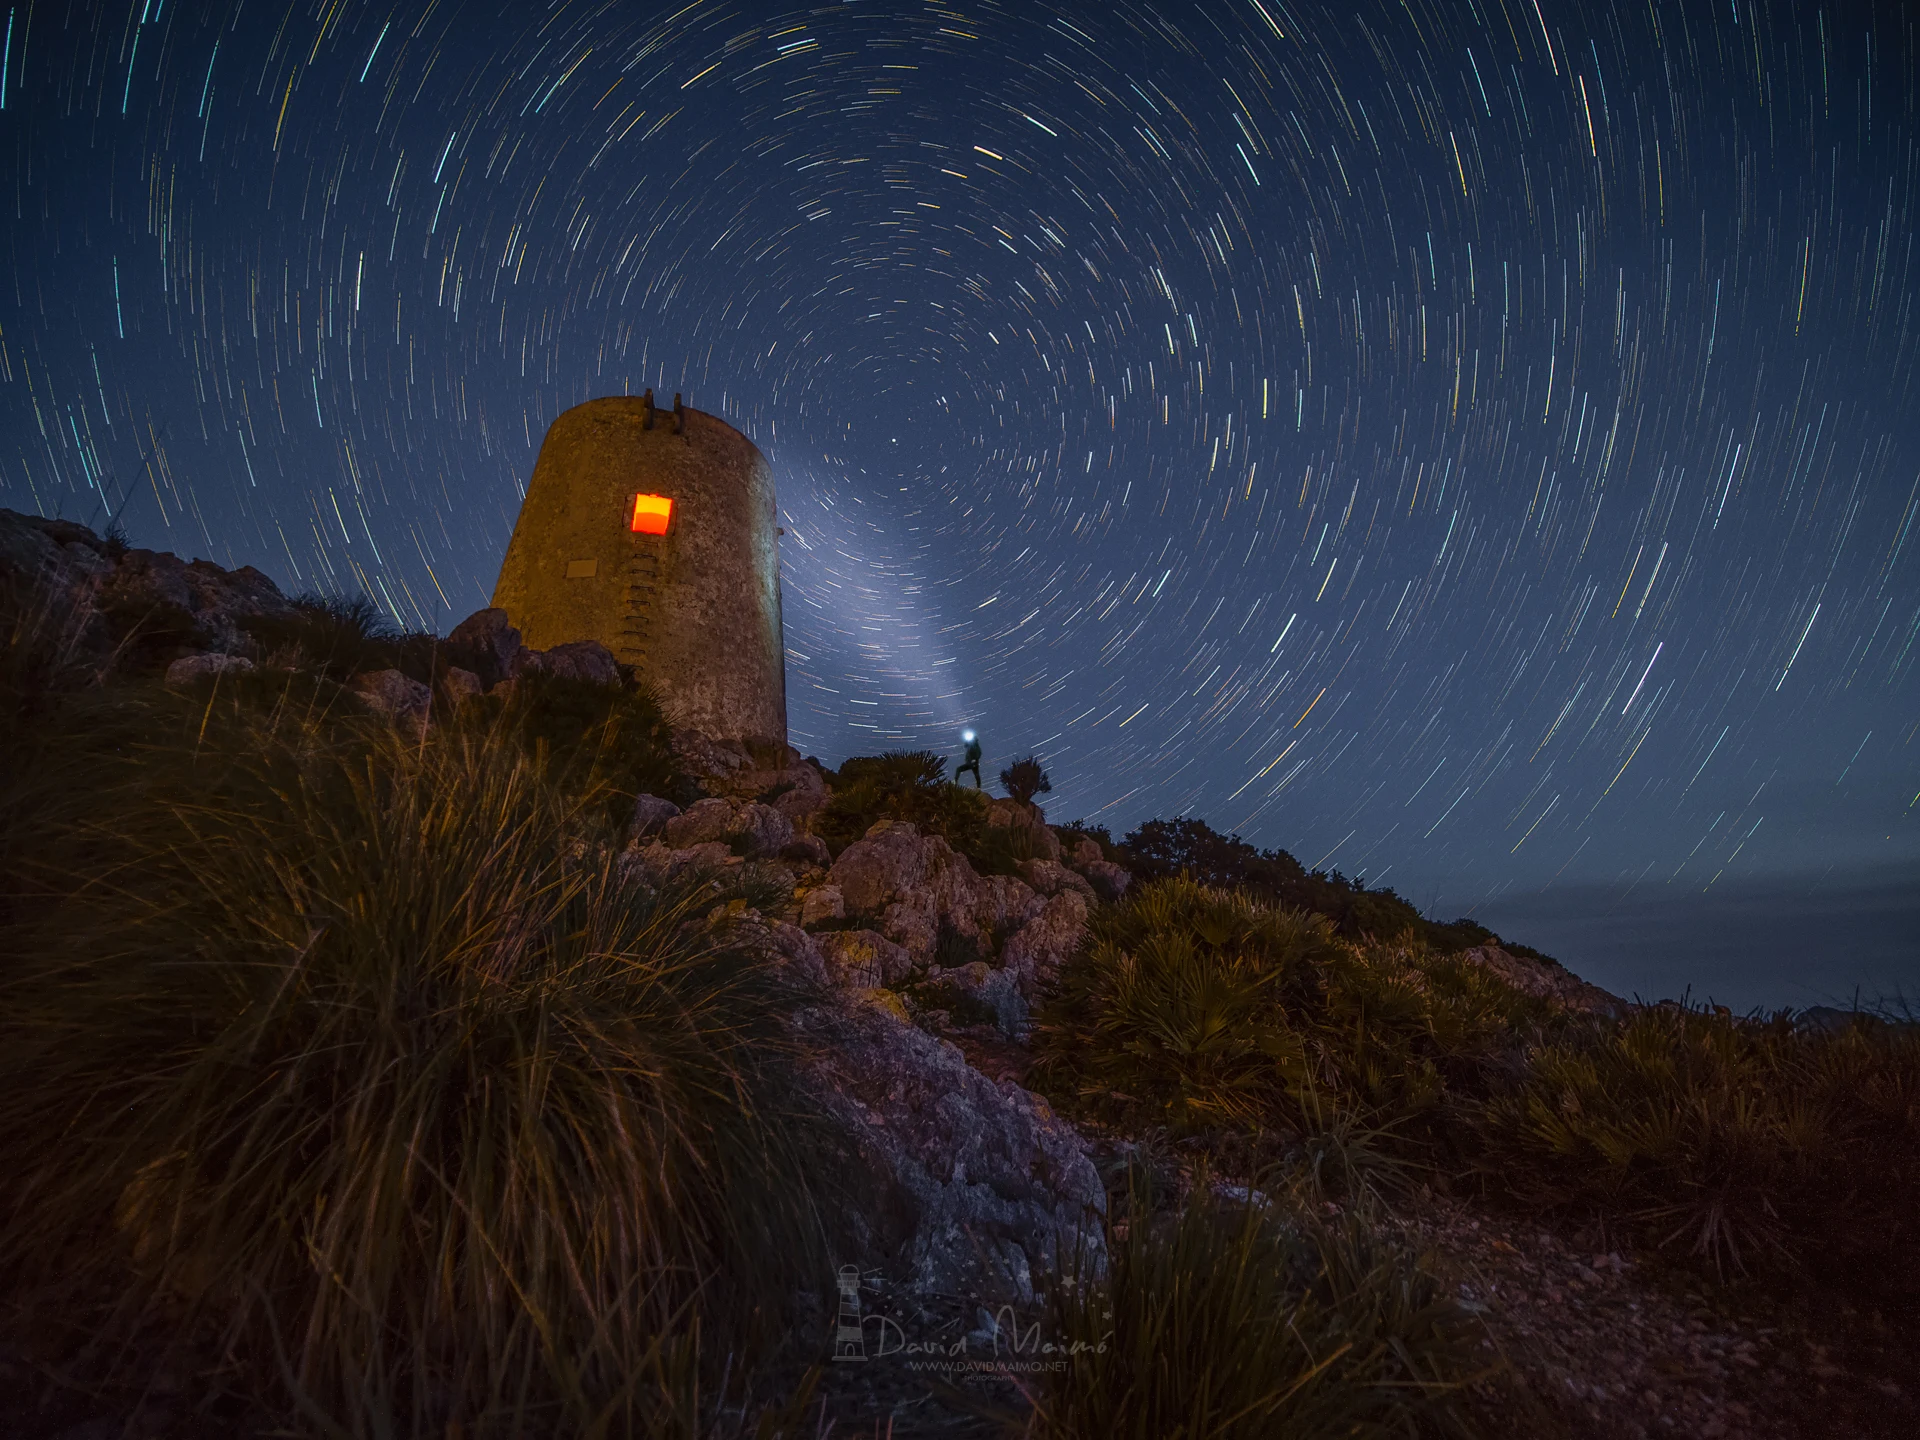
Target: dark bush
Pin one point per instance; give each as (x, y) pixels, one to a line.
(904, 785)
(1024, 779)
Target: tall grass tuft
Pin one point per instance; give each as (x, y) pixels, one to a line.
(355, 1053)
(1250, 1321)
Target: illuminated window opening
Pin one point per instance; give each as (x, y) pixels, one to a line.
(651, 513)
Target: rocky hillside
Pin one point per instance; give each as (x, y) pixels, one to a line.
(1015, 1056)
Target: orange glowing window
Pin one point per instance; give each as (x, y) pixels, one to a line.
(650, 514)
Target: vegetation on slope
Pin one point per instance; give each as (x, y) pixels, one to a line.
(1748, 1145)
(352, 1052)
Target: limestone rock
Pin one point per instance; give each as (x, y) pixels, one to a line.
(1002, 904)
(1109, 881)
(702, 821)
(821, 904)
(490, 642)
(980, 1186)
(657, 864)
(1086, 851)
(862, 959)
(764, 830)
(586, 660)
(807, 850)
(1012, 814)
(752, 829)
(189, 668)
(391, 693)
(1037, 950)
(1050, 877)
(459, 685)
(978, 992)
(650, 816)
(1546, 980)
(885, 863)
(914, 925)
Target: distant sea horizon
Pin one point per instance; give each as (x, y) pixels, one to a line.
(1766, 943)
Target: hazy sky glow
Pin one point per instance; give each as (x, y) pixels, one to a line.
(1474, 444)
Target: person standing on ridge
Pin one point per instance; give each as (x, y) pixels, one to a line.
(972, 761)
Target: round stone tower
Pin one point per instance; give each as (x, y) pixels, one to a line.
(652, 531)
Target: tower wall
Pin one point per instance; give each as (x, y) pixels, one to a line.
(695, 611)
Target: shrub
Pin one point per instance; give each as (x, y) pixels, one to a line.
(338, 636)
(1210, 1011)
(1743, 1144)
(346, 1050)
(595, 738)
(1231, 1322)
(904, 785)
(1161, 848)
(1024, 779)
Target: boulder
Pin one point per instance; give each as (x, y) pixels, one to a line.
(459, 685)
(1050, 877)
(808, 850)
(1086, 851)
(1036, 951)
(390, 693)
(978, 993)
(884, 864)
(1109, 881)
(862, 959)
(650, 816)
(914, 925)
(977, 1186)
(586, 660)
(657, 864)
(490, 642)
(702, 821)
(1002, 904)
(751, 829)
(190, 668)
(821, 904)
(763, 829)
(1012, 814)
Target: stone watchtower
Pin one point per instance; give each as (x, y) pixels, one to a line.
(653, 532)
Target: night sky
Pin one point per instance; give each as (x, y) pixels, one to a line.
(1476, 445)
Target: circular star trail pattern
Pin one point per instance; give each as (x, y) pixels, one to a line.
(1470, 444)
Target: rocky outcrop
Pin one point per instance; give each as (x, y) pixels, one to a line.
(584, 660)
(650, 816)
(980, 1188)
(1029, 819)
(972, 1187)
(102, 590)
(751, 829)
(1545, 980)
(1037, 950)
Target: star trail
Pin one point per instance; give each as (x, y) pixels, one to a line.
(1473, 445)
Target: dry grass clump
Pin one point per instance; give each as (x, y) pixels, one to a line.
(1254, 1320)
(354, 1052)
